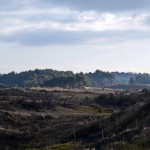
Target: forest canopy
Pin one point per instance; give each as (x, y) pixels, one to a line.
(68, 79)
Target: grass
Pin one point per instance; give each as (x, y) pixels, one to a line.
(92, 110)
(134, 146)
(145, 144)
(67, 146)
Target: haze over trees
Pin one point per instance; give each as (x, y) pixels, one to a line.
(143, 78)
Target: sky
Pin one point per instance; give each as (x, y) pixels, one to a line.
(77, 35)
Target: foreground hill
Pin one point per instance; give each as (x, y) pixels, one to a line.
(58, 119)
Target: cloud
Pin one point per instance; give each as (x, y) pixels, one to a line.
(101, 5)
(39, 22)
(77, 21)
(43, 37)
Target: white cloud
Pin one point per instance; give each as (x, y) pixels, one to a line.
(85, 21)
(32, 20)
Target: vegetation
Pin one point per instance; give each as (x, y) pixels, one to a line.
(68, 79)
(74, 81)
(143, 78)
(74, 120)
(52, 78)
(132, 81)
(67, 146)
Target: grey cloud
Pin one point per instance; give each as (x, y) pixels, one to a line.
(10, 5)
(44, 37)
(99, 5)
(51, 37)
(103, 5)
(50, 17)
(147, 21)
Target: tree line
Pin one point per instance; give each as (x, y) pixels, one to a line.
(140, 79)
(53, 78)
(68, 79)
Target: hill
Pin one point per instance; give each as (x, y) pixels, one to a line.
(74, 119)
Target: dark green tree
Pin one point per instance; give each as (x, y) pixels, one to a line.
(132, 81)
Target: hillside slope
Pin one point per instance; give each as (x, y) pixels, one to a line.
(74, 119)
